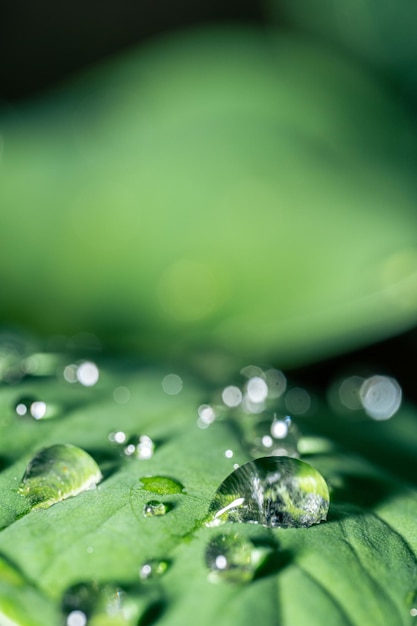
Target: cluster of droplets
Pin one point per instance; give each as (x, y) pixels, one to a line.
(378, 396)
(139, 447)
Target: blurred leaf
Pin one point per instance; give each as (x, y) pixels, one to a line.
(357, 568)
(381, 34)
(222, 190)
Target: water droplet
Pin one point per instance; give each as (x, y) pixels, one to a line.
(297, 401)
(172, 384)
(87, 373)
(231, 558)
(161, 485)
(349, 392)
(31, 406)
(70, 373)
(153, 568)
(118, 437)
(381, 397)
(228, 454)
(277, 436)
(276, 382)
(206, 416)
(154, 508)
(257, 390)
(272, 491)
(140, 447)
(121, 395)
(232, 396)
(91, 603)
(57, 473)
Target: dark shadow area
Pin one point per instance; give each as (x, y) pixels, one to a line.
(42, 43)
(153, 613)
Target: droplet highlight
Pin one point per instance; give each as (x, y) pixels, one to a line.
(381, 397)
(152, 569)
(32, 407)
(58, 472)
(272, 491)
(140, 447)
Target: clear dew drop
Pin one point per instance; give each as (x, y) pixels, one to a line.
(231, 558)
(56, 473)
(91, 603)
(154, 508)
(152, 569)
(139, 447)
(272, 491)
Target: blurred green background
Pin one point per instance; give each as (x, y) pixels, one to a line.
(233, 178)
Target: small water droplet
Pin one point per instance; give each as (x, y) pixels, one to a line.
(118, 437)
(277, 383)
(277, 436)
(152, 569)
(232, 396)
(87, 374)
(297, 401)
(70, 373)
(57, 473)
(91, 603)
(231, 558)
(154, 508)
(257, 390)
(172, 384)
(140, 447)
(206, 416)
(272, 491)
(121, 395)
(228, 454)
(162, 485)
(381, 397)
(31, 406)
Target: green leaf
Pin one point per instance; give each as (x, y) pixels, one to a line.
(225, 190)
(359, 567)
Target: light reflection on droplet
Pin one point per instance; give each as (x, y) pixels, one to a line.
(252, 407)
(257, 389)
(38, 410)
(88, 374)
(21, 408)
(206, 416)
(70, 373)
(349, 392)
(232, 396)
(118, 437)
(279, 428)
(297, 401)
(276, 382)
(381, 397)
(267, 441)
(140, 447)
(413, 612)
(121, 395)
(172, 384)
(76, 618)
(228, 454)
(152, 569)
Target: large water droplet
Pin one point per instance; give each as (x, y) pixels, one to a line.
(154, 508)
(90, 603)
(231, 558)
(162, 485)
(140, 447)
(152, 569)
(57, 473)
(272, 491)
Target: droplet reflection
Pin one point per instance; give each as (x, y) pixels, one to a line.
(88, 374)
(231, 558)
(381, 397)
